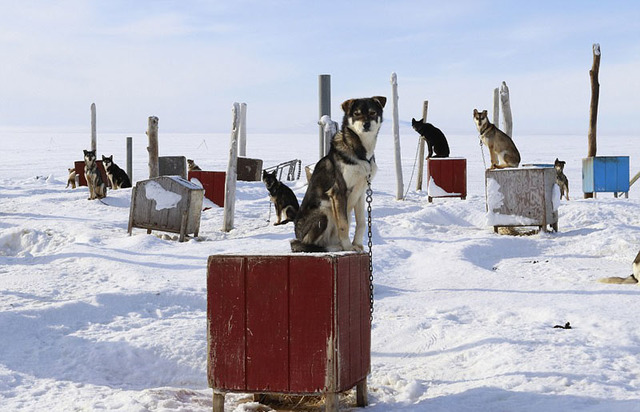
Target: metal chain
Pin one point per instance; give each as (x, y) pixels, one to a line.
(482, 151)
(369, 199)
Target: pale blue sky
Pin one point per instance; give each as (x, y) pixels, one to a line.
(188, 61)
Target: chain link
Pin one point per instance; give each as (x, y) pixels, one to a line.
(484, 162)
(369, 199)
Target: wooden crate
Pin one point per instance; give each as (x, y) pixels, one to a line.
(249, 170)
(172, 166)
(522, 197)
(213, 184)
(446, 177)
(166, 203)
(82, 180)
(606, 174)
(294, 324)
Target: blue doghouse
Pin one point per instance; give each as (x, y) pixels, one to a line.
(606, 174)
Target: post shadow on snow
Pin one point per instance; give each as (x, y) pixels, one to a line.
(598, 378)
(497, 399)
(50, 259)
(498, 248)
(603, 292)
(466, 346)
(41, 342)
(479, 343)
(38, 216)
(384, 291)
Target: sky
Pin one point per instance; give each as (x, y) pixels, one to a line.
(187, 62)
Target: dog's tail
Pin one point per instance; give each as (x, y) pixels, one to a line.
(629, 280)
(298, 246)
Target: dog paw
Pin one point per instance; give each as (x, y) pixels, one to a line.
(357, 247)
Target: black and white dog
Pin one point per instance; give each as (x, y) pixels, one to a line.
(339, 181)
(283, 198)
(97, 186)
(117, 177)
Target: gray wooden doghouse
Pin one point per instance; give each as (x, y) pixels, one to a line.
(249, 170)
(527, 196)
(166, 203)
(172, 166)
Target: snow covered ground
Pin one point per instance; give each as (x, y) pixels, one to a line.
(94, 319)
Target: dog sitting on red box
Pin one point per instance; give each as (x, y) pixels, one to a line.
(339, 181)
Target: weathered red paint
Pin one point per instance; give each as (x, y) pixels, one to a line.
(82, 180)
(450, 174)
(289, 323)
(213, 184)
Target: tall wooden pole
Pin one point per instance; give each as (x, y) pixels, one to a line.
(593, 107)
(496, 107)
(396, 137)
(421, 143)
(232, 173)
(506, 109)
(94, 138)
(152, 134)
(242, 142)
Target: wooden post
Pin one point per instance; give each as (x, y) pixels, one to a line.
(330, 128)
(232, 173)
(496, 107)
(94, 138)
(324, 92)
(242, 142)
(130, 158)
(396, 137)
(421, 143)
(506, 109)
(152, 133)
(593, 107)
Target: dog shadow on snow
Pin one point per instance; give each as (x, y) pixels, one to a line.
(47, 343)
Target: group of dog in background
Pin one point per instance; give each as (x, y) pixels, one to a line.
(117, 177)
(337, 186)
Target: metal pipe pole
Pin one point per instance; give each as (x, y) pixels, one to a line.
(130, 158)
(324, 93)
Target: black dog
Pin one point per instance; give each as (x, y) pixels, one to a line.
(282, 197)
(436, 141)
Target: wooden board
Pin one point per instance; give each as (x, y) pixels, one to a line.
(82, 180)
(449, 174)
(213, 184)
(605, 174)
(303, 320)
(522, 197)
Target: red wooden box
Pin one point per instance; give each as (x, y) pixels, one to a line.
(296, 324)
(446, 177)
(82, 180)
(213, 184)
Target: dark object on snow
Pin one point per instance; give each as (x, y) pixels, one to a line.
(566, 326)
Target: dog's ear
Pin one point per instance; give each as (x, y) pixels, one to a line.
(475, 112)
(346, 105)
(380, 99)
(484, 113)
